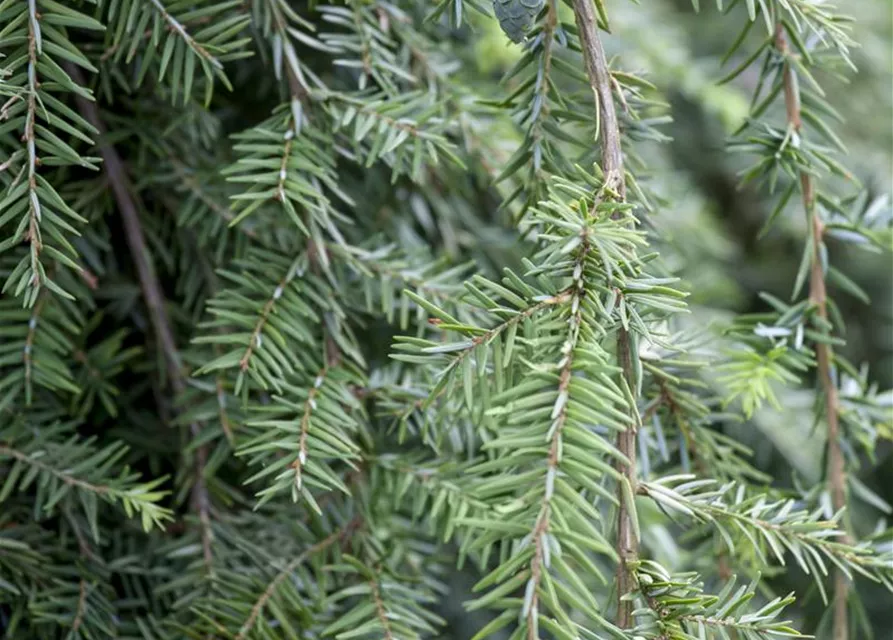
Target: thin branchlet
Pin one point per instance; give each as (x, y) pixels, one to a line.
(818, 296)
(565, 371)
(612, 167)
(154, 298)
(34, 207)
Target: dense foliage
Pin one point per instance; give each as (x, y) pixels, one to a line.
(357, 320)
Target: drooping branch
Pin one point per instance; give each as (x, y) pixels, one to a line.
(612, 166)
(136, 241)
(818, 296)
(152, 292)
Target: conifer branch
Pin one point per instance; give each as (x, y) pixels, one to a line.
(195, 188)
(28, 351)
(612, 165)
(175, 26)
(380, 610)
(64, 476)
(544, 383)
(559, 416)
(369, 264)
(818, 296)
(363, 106)
(81, 467)
(152, 293)
(466, 349)
(136, 241)
(256, 338)
(81, 607)
(780, 523)
(542, 88)
(33, 235)
(682, 610)
(288, 569)
(309, 406)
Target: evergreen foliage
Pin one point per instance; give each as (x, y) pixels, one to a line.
(305, 319)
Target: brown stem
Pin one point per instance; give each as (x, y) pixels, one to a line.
(381, 611)
(612, 165)
(151, 288)
(81, 608)
(600, 81)
(627, 543)
(818, 296)
(121, 188)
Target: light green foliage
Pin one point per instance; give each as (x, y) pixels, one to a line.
(679, 609)
(409, 318)
(769, 527)
(57, 464)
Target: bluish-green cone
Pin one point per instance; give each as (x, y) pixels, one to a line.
(516, 16)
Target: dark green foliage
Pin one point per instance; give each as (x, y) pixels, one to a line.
(311, 328)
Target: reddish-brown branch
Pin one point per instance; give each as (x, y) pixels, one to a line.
(818, 296)
(151, 288)
(627, 543)
(122, 190)
(81, 608)
(601, 82)
(612, 165)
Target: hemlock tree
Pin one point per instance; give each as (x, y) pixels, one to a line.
(307, 319)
